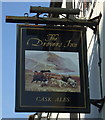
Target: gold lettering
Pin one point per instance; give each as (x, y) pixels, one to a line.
(35, 41)
(37, 98)
(48, 44)
(73, 45)
(69, 44)
(49, 99)
(58, 44)
(38, 42)
(51, 44)
(53, 37)
(43, 99)
(62, 99)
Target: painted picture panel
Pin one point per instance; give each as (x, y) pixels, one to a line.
(51, 71)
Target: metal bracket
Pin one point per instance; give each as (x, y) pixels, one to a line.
(97, 20)
(91, 23)
(99, 103)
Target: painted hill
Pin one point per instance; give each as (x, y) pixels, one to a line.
(49, 61)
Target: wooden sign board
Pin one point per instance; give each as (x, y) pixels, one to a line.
(51, 71)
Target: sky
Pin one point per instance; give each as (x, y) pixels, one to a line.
(8, 54)
(0, 62)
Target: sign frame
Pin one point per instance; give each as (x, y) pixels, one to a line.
(51, 101)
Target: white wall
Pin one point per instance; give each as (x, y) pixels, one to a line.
(102, 35)
(94, 76)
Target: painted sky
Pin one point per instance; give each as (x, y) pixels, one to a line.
(71, 59)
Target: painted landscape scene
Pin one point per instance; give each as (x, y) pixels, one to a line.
(50, 71)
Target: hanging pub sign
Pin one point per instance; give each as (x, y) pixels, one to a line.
(51, 71)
